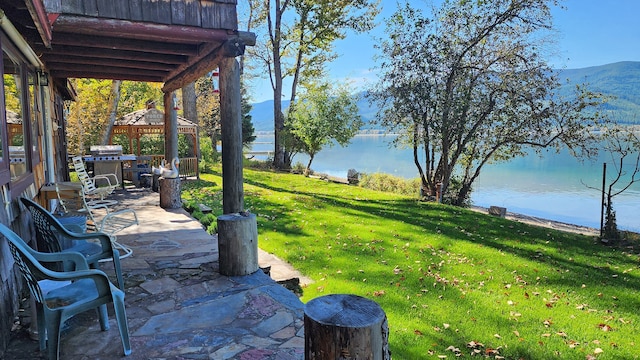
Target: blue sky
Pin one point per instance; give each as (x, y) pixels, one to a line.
(590, 33)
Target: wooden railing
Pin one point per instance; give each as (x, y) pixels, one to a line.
(188, 167)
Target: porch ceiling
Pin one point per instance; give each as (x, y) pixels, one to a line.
(174, 42)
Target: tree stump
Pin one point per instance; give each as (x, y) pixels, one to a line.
(170, 193)
(341, 327)
(238, 244)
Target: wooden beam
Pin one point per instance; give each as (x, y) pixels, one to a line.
(101, 75)
(68, 66)
(77, 51)
(231, 125)
(40, 20)
(139, 30)
(58, 58)
(107, 42)
(186, 74)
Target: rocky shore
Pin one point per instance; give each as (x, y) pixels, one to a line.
(557, 225)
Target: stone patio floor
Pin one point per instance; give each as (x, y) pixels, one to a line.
(178, 305)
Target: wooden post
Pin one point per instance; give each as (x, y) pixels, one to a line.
(238, 244)
(170, 127)
(170, 188)
(231, 128)
(341, 327)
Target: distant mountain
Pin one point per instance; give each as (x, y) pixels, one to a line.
(619, 80)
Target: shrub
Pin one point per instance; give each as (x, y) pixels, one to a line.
(208, 220)
(298, 168)
(390, 183)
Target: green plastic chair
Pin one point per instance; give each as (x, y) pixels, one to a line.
(81, 290)
(50, 233)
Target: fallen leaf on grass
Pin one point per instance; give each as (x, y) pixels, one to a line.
(491, 352)
(605, 327)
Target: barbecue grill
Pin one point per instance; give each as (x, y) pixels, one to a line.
(108, 159)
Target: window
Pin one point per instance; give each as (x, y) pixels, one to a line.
(20, 112)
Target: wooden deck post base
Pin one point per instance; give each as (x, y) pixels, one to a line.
(345, 327)
(170, 193)
(238, 244)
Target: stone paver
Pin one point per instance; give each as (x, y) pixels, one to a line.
(178, 305)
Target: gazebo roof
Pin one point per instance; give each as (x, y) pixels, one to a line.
(150, 117)
(150, 121)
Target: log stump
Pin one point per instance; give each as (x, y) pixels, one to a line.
(341, 327)
(170, 193)
(238, 244)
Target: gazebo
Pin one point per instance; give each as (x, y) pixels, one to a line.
(149, 121)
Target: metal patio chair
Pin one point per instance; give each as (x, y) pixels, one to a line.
(78, 291)
(91, 186)
(51, 234)
(99, 217)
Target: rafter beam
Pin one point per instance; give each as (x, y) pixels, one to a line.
(100, 75)
(107, 42)
(76, 51)
(59, 58)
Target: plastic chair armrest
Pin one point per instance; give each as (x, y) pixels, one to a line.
(105, 239)
(103, 285)
(79, 261)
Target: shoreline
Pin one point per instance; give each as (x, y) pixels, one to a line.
(528, 219)
(547, 223)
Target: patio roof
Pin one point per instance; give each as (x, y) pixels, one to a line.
(174, 42)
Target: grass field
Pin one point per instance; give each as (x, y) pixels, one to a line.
(452, 282)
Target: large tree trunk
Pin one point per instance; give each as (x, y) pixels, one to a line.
(113, 109)
(278, 121)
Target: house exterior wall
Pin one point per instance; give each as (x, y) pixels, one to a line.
(25, 91)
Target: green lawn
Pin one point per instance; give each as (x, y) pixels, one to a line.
(451, 281)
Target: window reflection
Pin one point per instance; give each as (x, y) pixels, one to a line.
(34, 111)
(13, 84)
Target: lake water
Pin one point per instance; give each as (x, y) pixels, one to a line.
(550, 187)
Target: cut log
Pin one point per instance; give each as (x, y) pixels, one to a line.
(170, 193)
(238, 244)
(341, 327)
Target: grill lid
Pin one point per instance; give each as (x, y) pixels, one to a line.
(106, 150)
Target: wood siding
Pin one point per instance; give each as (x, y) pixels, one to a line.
(208, 14)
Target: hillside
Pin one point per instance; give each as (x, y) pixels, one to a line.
(619, 80)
